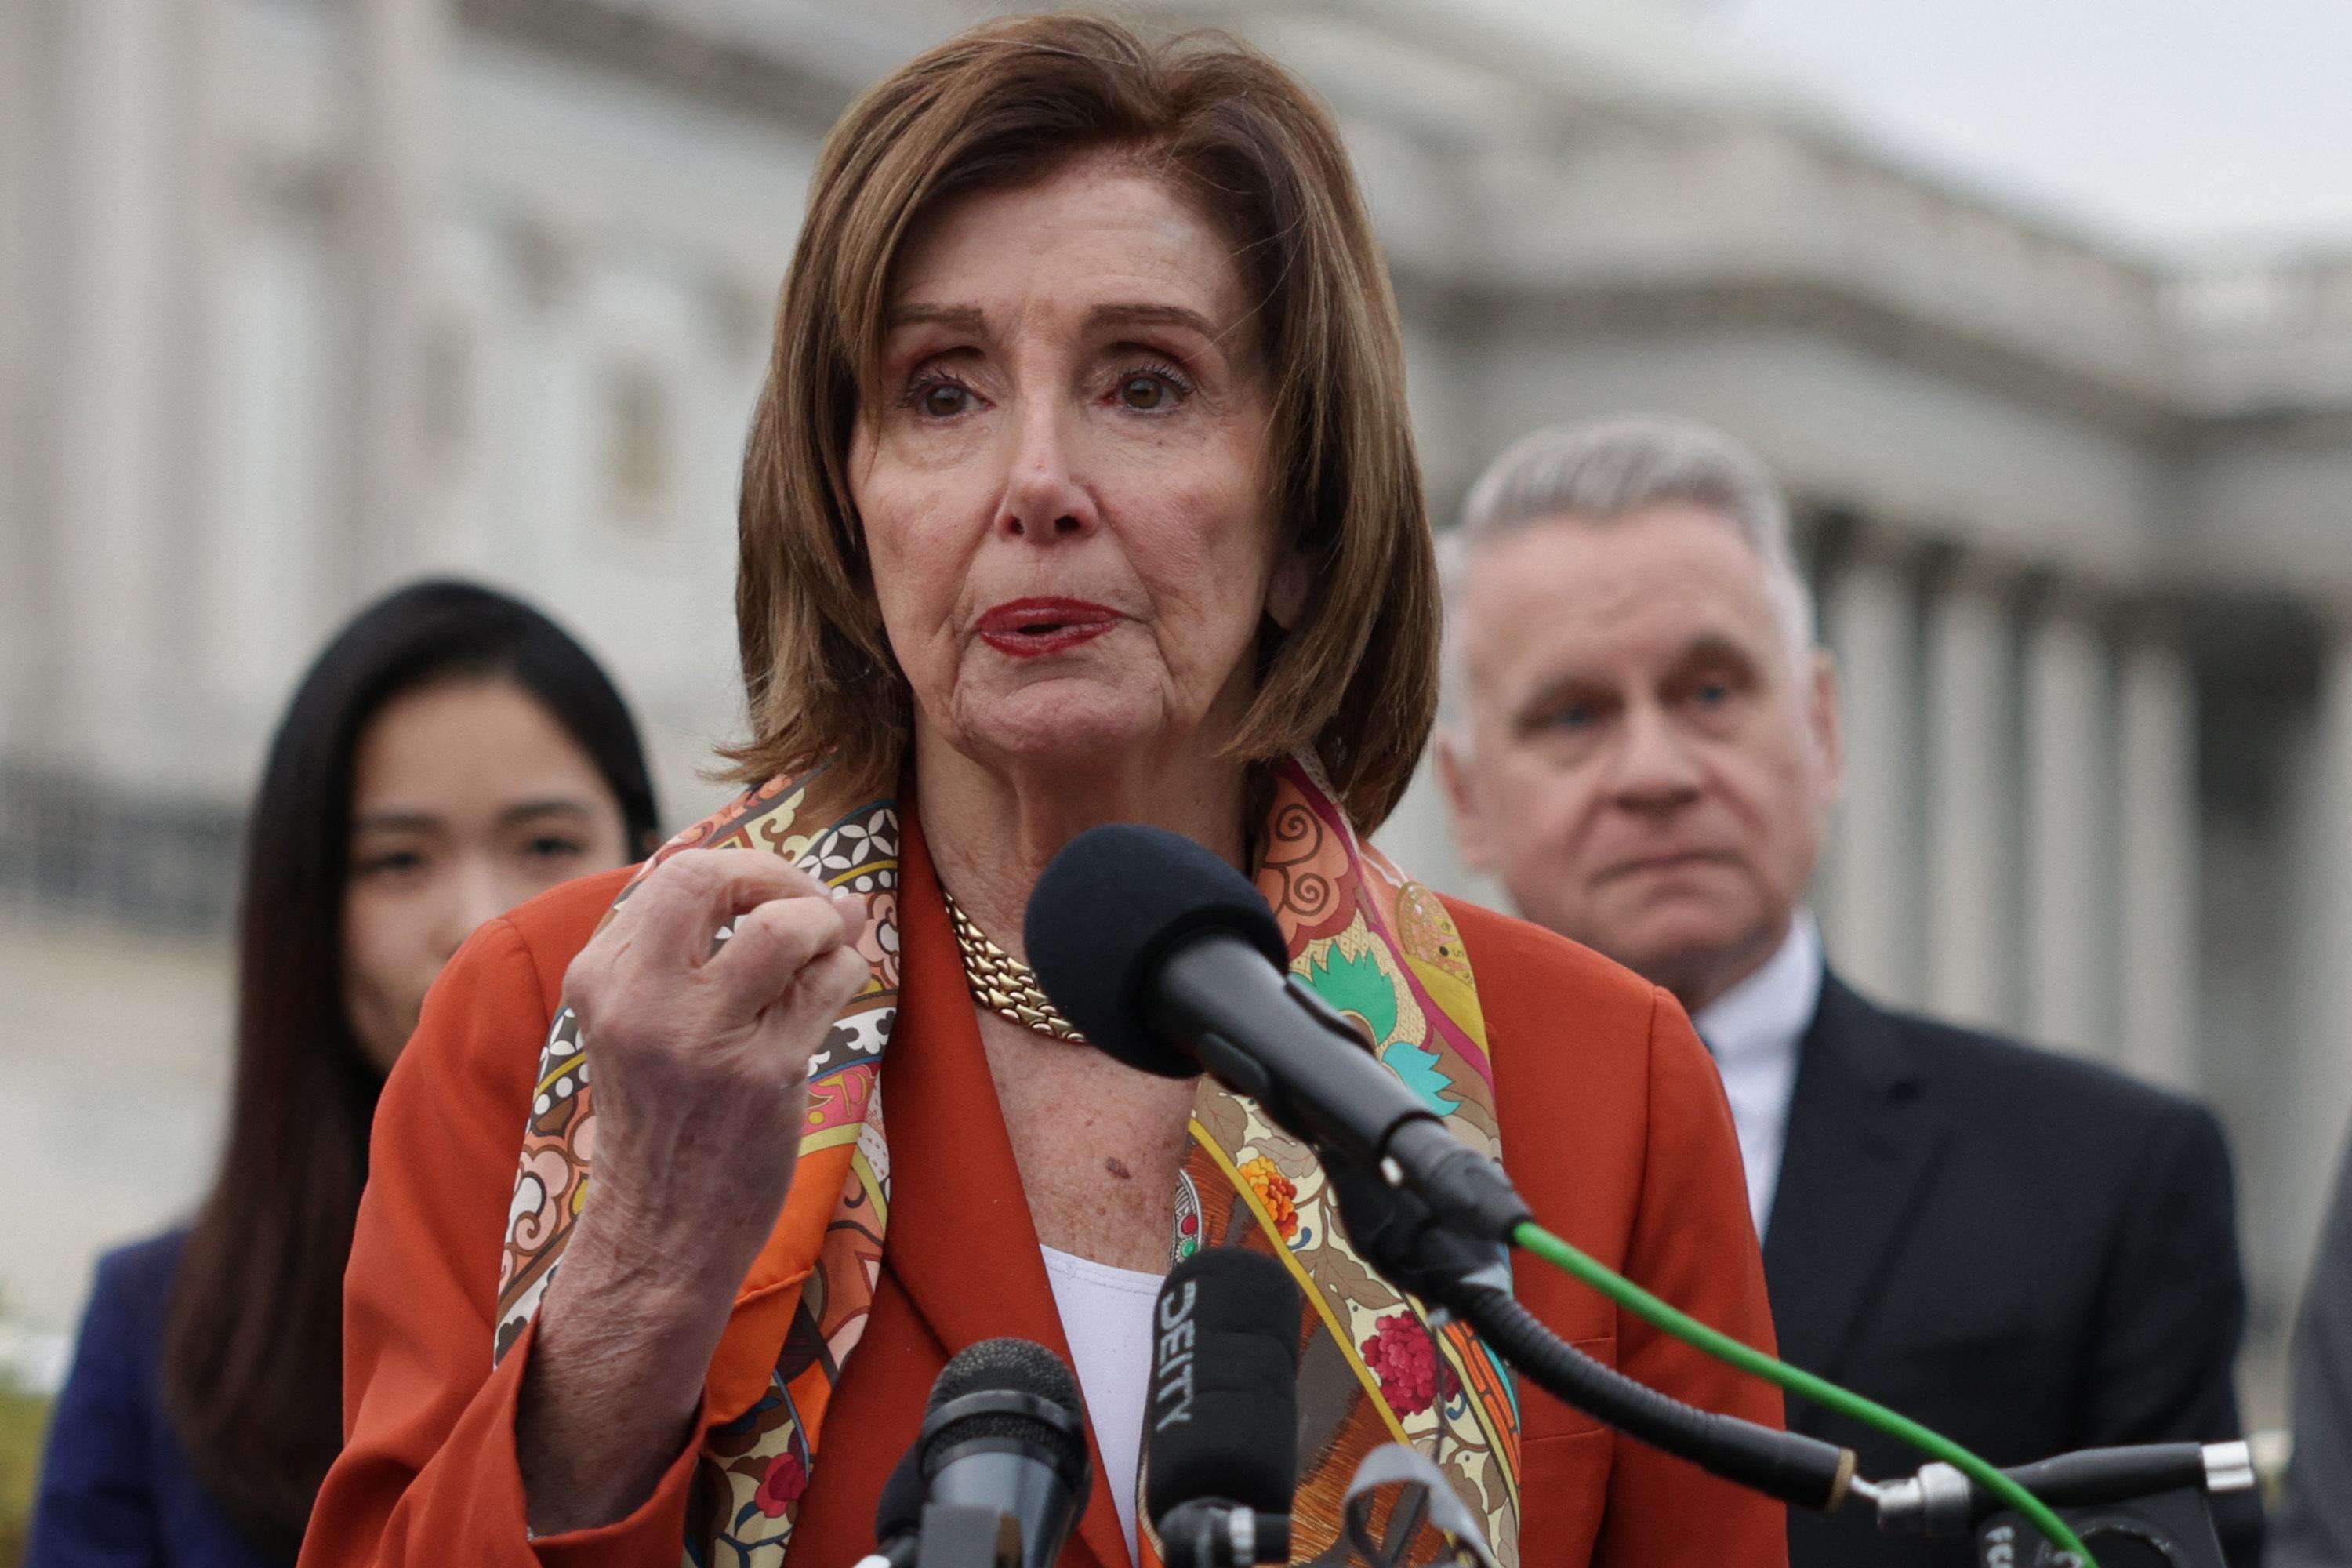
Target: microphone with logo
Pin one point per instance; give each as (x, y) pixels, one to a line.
(1221, 1434)
(999, 1472)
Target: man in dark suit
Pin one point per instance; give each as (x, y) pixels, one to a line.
(2026, 1252)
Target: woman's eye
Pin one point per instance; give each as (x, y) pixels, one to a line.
(942, 399)
(551, 847)
(1571, 717)
(1152, 386)
(1146, 394)
(392, 863)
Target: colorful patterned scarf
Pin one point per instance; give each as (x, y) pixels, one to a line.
(1378, 947)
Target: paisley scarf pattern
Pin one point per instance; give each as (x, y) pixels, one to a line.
(1377, 946)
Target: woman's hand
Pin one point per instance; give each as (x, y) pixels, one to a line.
(700, 1061)
(700, 1056)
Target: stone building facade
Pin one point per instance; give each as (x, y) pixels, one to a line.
(300, 299)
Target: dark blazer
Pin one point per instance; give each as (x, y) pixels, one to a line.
(2026, 1252)
(115, 1490)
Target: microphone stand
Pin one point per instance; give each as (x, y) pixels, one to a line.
(2156, 1497)
(1421, 1251)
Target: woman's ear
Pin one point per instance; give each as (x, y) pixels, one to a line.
(1285, 596)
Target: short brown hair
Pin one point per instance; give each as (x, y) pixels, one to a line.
(1005, 104)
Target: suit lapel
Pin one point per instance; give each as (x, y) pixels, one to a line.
(960, 1239)
(1863, 1140)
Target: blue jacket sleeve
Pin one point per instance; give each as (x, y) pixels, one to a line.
(96, 1508)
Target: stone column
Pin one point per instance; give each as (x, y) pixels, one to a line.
(2069, 848)
(396, 51)
(1972, 799)
(121, 197)
(2156, 863)
(105, 425)
(27, 63)
(198, 215)
(1868, 887)
(2320, 1079)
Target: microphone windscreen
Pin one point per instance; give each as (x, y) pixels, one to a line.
(1113, 903)
(1009, 1366)
(1224, 1418)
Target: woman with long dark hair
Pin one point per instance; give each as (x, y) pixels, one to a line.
(451, 754)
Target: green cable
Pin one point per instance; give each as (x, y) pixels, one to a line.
(1723, 1347)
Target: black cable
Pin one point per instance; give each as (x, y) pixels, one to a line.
(1800, 1472)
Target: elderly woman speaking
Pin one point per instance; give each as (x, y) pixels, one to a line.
(1081, 490)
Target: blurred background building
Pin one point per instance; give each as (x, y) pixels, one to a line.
(300, 298)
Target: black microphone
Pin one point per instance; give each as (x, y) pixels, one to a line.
(999, 1472)
(1167, 958)
(1220, 1432)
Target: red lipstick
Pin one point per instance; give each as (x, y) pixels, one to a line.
(1028, 628)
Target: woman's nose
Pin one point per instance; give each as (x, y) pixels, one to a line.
(477, 894)
(1045, 497)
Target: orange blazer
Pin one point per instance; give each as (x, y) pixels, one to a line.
(1614, 1125)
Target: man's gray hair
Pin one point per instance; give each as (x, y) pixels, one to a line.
(1607, 470)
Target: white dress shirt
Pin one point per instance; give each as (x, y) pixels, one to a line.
(1756, 1031)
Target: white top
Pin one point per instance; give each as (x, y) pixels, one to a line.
(1756, 1031)
(1106, 1317)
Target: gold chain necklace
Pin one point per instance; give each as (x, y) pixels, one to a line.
(1002, 983)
